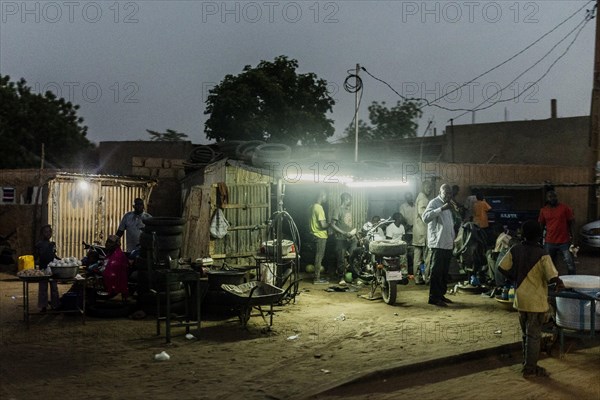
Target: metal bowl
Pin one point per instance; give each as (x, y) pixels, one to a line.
(65, 272)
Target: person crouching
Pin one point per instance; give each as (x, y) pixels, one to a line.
(115, 273)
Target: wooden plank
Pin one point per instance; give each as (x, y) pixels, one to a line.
(246, 227)
(244, 206)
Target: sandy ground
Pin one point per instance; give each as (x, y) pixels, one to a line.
(374, 351)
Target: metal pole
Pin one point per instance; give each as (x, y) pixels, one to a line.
(594, 139)
(356, 116)
(278, 221)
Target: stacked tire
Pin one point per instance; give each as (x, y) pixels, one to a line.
(245, 150)
(162, 235)
(160, 242)
(271, 155)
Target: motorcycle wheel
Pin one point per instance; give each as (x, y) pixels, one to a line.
(388, 291)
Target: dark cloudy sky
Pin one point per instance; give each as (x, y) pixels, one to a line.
(137, 65)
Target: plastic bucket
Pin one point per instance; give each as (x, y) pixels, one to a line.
(26, 262)
(576, 313)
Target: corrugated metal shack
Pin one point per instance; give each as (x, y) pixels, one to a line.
(244, 194)
(88, 208)
(251, 196)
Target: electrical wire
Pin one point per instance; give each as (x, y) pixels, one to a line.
(514, 56)
(353, 88)
(530, 86)
(589, 16)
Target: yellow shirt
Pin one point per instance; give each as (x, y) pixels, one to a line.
(531, 294)
(317, 214)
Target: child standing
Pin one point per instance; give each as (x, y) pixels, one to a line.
(44, 253)
(531, 268)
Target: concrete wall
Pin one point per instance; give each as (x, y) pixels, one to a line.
(554, 141)
(162, 161)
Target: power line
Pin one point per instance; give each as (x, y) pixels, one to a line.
(580, 25)
(514, 56)
(478, 108)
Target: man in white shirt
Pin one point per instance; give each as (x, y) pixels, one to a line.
(132, 224)
(395, 230)
(440, 239)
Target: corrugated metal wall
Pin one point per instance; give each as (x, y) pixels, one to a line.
(249, 205)
(247, 211)
(360, 201)
(89, 211)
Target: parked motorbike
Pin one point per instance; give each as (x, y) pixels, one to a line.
(378, 262)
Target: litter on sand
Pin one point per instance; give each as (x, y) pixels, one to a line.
(189, 336)
(293, 337)
(162, 356)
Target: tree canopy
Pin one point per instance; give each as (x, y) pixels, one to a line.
(169, 136)
(270, 102)
(28, 120)
(388, 123)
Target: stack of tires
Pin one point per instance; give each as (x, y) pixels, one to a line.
(202, 155)
(162, 236)
(160, 242)
(271, 155)
(245, 150)
(228, 147)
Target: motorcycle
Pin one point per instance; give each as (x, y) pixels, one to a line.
(378, 262)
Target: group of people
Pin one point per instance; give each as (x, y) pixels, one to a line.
(115, 267)
(530, 265)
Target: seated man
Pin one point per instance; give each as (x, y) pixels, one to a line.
(115, 271)
(395, 230)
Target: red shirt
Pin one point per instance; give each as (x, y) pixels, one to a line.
(556, 220)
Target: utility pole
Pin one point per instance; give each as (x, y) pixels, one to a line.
(594, 139)
(356, 97)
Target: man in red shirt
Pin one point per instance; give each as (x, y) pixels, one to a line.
(557, 218)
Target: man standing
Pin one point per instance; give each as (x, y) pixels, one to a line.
(345, 241)
(318, 229)
(530, 267)
(480, 210)
(133, 224)
(440, 239)
(408, 211)
(558, 220)
(420, 234)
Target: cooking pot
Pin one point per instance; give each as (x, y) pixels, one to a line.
(231, 277)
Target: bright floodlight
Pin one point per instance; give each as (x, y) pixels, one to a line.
(373, 184)
(83, 185)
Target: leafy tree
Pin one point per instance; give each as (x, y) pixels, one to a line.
(387, 123)
(169, 136)
(28, 119)
(270, 102)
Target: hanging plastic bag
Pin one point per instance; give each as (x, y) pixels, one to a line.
(219, 225)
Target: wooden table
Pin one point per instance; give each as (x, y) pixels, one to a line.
(27, 280)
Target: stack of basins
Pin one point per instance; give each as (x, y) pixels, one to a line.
(160, 243)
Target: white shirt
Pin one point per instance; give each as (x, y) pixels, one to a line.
(132, 225)
(394, 232)
(440, 225)
(409, 213)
